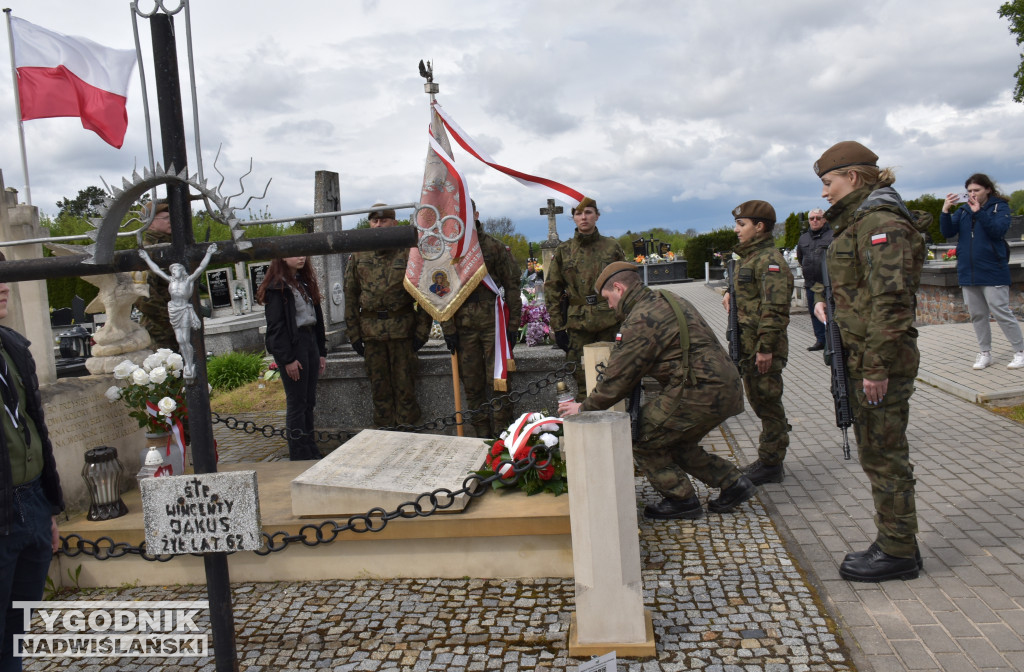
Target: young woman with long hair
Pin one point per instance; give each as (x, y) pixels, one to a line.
(297, 341)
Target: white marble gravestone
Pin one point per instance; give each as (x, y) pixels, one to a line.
(386, 469)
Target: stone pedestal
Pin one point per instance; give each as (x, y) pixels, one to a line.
(594, 354)
(610, 612)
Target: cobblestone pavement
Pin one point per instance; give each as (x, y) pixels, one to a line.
(757, 590)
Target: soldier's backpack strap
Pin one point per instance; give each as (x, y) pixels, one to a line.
(684, 337)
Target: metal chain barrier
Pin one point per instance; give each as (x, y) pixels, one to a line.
(374, 520)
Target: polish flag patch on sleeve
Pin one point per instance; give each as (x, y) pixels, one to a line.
(618, 338)
(773, 268)
(879, 238)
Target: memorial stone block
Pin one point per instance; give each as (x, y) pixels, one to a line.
(219, 282)
(386, 469)
(202, 513)
(256, 274)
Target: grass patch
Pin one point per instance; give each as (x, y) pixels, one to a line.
(249, 398)
(1015, 413)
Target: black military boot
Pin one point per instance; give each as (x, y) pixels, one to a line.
(671, 509)
(875, 565)
(733, 496)
(760, 473)
(874, 547)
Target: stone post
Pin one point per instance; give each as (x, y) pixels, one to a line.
(594, 354)
(28, 310)
(329, 268)
(610, 614)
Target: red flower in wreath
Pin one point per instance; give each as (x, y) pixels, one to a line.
(498, 446)
(547, 472)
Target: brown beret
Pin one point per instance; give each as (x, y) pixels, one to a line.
(755, 210)
(161, 206)
(586, 202)
(843, 155)
(386, 213)
(610, 270)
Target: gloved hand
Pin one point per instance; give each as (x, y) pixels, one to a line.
(562, 340)
(418, 343)
(513, 337)
(452, 342)
(358, 346)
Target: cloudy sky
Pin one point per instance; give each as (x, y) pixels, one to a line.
(667, 113)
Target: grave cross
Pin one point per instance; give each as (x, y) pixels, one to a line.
(551, 211)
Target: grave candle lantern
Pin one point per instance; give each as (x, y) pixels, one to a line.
(102, 474)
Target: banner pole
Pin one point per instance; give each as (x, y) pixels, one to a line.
(456, 385)
(17, 108)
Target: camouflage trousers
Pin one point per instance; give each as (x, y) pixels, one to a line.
(476, 371)
(577, 340)
(884, 453)
(391, 367)
(668, 457)
(764, 391)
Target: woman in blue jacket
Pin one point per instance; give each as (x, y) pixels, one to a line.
(296, 339)
(983, 263)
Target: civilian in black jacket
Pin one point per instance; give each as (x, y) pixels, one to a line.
(810, 252)
(31, 496)
(296, 339)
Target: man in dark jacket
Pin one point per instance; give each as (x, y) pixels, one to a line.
(664, 337)
(31, 496)
(810, 252)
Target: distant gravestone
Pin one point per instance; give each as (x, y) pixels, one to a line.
(386, 469)
(202, 513)
(219, 283)
(256, 274)
(61, 317)
(78, 310)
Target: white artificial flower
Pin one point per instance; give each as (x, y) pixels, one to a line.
(153, 361)
(167, 406)
(158, 375)
(549, 440)
(124, 369)
(174, 362)
(534, 417)
(549, 427)
(113, 393)
(166, 352)
(140, 377)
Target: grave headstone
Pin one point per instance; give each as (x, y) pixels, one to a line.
(385, 469)
(78, 310)
(202, 513)
(257, 272)
(61, 317)
(219, 283)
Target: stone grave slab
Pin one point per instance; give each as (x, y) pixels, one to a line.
(386, 469)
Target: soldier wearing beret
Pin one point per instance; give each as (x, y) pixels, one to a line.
(154, 307)
(385, 327)
(663, 336)
(764, 288)
(574, 267)
(470, 333)
(874, 265)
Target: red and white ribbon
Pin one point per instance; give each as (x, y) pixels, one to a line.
(176, 461)
(460, 248)
(558, 190)
(502, 348)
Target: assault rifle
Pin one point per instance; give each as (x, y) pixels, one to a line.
(732, 333)
(835, 357)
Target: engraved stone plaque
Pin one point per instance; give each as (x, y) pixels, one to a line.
(202, 513)
(385, 469)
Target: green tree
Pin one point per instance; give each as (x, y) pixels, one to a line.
(499, 227)
(933, 206)
(792, 231)
(1017, 202)
(702, 248)
(1014, 11)
(86, 204)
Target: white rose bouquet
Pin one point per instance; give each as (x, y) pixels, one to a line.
(158, 381)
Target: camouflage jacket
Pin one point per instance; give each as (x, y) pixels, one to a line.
(574, 267)
(154, 308)
(477, 313)
(377, 306)
(764, 288)
(649, 345)
(874, 264)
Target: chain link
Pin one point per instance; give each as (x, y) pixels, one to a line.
(374, 520)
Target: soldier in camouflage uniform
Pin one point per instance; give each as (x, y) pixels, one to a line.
(764, 288)
(700, 388)
(574, 267)
(154, 308)
(385, 326)
(874, 264)
(470, 333)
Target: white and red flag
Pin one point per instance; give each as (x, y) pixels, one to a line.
(65, 76)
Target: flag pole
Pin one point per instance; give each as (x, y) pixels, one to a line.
(17, 108)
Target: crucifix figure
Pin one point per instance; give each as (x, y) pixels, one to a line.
(551, 211)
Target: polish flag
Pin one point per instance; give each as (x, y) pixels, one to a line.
(64, 76)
